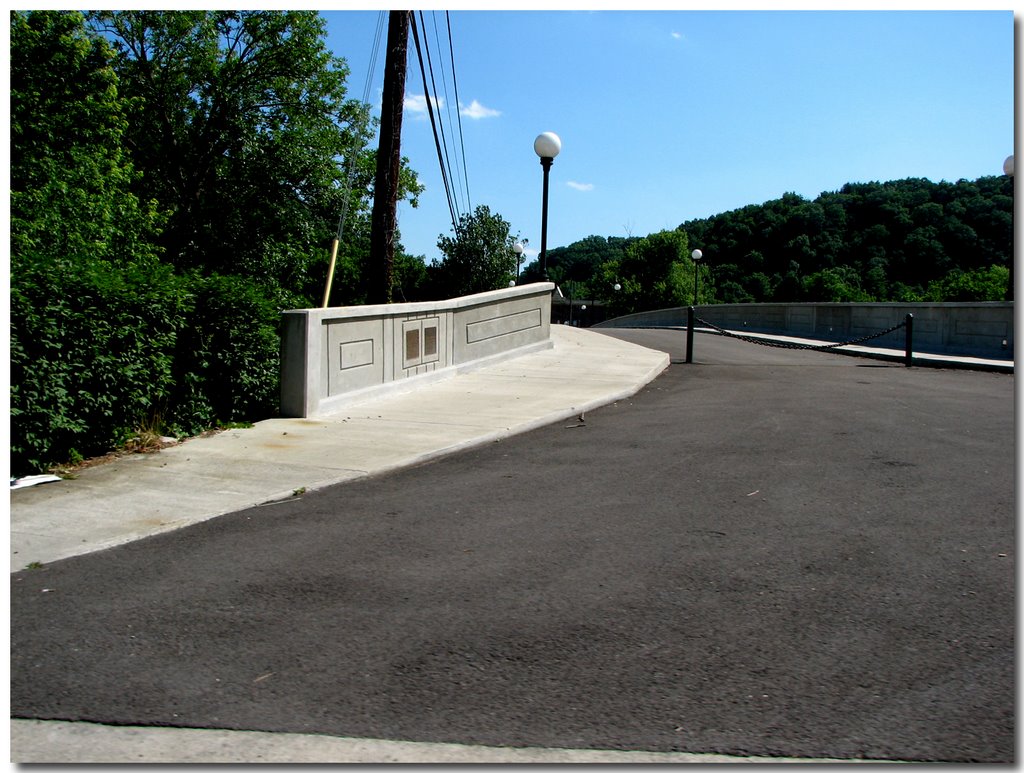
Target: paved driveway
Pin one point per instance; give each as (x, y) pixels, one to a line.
(765, 552)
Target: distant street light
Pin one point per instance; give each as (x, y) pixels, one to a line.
(696, 255)
(547, 146)
(518, 248)
(1008, 166)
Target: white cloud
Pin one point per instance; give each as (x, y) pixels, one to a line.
(580, 186)
(677, 35)
(417, 104)
(477, 111)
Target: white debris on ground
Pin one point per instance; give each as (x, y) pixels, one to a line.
(32, 480)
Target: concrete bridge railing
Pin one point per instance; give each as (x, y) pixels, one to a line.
(336, 356)
(965, 329)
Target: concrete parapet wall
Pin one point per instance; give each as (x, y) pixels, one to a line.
(967, 329)
(336, 356)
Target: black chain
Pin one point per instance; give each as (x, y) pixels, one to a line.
(788, 345)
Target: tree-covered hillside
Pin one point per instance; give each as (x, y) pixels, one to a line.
(907, 240)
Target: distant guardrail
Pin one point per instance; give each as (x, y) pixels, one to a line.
(333, 357)
(983, 329)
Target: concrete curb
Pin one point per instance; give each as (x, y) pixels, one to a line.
(55, 742)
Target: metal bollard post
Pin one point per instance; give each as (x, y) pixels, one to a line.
(909, 348)
(689, 334)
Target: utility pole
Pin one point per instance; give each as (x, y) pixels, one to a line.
(389, 158)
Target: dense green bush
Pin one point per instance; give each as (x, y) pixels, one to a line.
(981, 284)
(227, 359)
(112, 330)
(91, 360)
(100, 352)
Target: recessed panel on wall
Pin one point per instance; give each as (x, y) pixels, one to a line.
(499, 326)
(420, 342)
(411, 353)
(355, 355)
(801, 319)
(430, 350)
(484, 331)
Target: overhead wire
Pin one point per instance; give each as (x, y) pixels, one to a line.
(448, 106)
(458, 112)
(433, 124)
(440, 118)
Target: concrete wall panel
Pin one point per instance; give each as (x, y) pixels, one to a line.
(354, 355)
(332, 357)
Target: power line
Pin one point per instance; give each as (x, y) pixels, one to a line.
(440, 120)
(448, 103)
(433, 124)
(458, 112)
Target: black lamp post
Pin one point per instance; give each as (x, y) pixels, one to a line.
(518, 248)
(547, 146)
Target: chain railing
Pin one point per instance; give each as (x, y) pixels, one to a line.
(907, 323)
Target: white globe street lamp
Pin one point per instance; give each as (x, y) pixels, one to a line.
(547, 146)
(518, 248)
(696, 255)
(1008, 166)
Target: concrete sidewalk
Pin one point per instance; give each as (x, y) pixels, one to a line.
(135, 496)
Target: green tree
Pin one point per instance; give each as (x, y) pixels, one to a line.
(70, 177)
(580, 262)
(653, 272)
(477, 258)
(840, 284)
(244, 132)
(980, 284)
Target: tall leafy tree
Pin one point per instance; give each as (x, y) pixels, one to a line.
(653, 272)
(70, 176)
(580, 262)
(245, 133)
(477, 257)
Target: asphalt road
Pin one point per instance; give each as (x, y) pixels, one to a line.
(765, 552)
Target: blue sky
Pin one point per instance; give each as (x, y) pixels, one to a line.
(666, 116)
